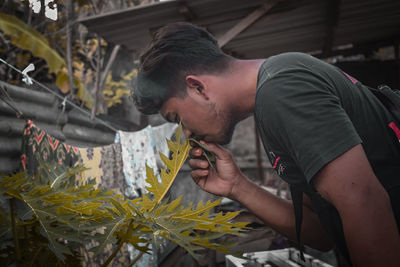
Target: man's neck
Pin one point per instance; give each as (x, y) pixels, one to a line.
(244, 75)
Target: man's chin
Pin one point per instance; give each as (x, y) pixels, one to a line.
(220, 140)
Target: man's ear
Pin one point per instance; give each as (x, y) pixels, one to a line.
(196, 84)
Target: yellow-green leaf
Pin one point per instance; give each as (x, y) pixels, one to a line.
(179, 154)
(26, 37)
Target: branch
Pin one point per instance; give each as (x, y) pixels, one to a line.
(109, 65)
(69, 54)
(104, 4)
(94, 7)
(97, 86)
(136, 259)
(121, 243)
(100, 82)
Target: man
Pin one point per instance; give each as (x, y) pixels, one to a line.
(324, 132)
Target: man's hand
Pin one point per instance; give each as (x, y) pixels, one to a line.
(228, 181)
(224, 180)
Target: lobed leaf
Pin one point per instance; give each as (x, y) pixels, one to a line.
(179, 155)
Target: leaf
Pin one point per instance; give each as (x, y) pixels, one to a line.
(68, 212)
(214, 223)
(115, 90)
(108, 237)
(47, 219)
(179, 155)
(62, 80)
(26, 37)
(76, 214)
(210, 156)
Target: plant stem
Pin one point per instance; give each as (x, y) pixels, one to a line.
(112, 256)
(14, 231)
(121, 243)
(136, 259)
(34, 257)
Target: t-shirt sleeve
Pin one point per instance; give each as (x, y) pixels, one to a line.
(299, 112)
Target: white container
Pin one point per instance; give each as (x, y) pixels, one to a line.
(289, 257)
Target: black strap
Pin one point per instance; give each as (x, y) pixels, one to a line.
(297, 199)
(389, 97)
(392, 94)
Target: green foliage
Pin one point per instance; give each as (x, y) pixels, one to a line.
(26, 37)
(54, 217)
(115, 90)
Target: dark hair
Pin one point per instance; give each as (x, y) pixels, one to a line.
(177, 50)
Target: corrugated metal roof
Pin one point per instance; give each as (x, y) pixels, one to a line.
(291, 25)
(72, 126)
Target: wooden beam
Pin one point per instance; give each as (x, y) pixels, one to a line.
(187, 13)
(333, 11)
(246, 22)
(359, 48)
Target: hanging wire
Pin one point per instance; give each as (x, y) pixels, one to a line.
(59, 96)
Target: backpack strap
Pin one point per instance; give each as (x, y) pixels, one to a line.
(389, 97)
(297, 199)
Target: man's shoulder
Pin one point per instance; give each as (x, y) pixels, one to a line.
(291, 59)
(292, 56)
(291, 64)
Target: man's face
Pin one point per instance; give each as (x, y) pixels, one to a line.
(201, 118)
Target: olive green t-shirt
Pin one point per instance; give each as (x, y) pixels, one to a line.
(309, 112)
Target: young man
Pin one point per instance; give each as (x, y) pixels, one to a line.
(325, 134)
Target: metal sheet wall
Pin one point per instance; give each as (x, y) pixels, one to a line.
(72, 127)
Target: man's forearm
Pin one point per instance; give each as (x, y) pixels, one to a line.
(376, 235)
(278, 214)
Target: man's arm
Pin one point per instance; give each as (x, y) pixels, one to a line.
(370, 229)
(276, 212)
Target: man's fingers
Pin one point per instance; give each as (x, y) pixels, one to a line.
(196, 152)
(198, 164)
(199, 174)
(219, 151)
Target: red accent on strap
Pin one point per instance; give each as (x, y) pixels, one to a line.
(276, 162)
(395, 129)
(352, 79)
